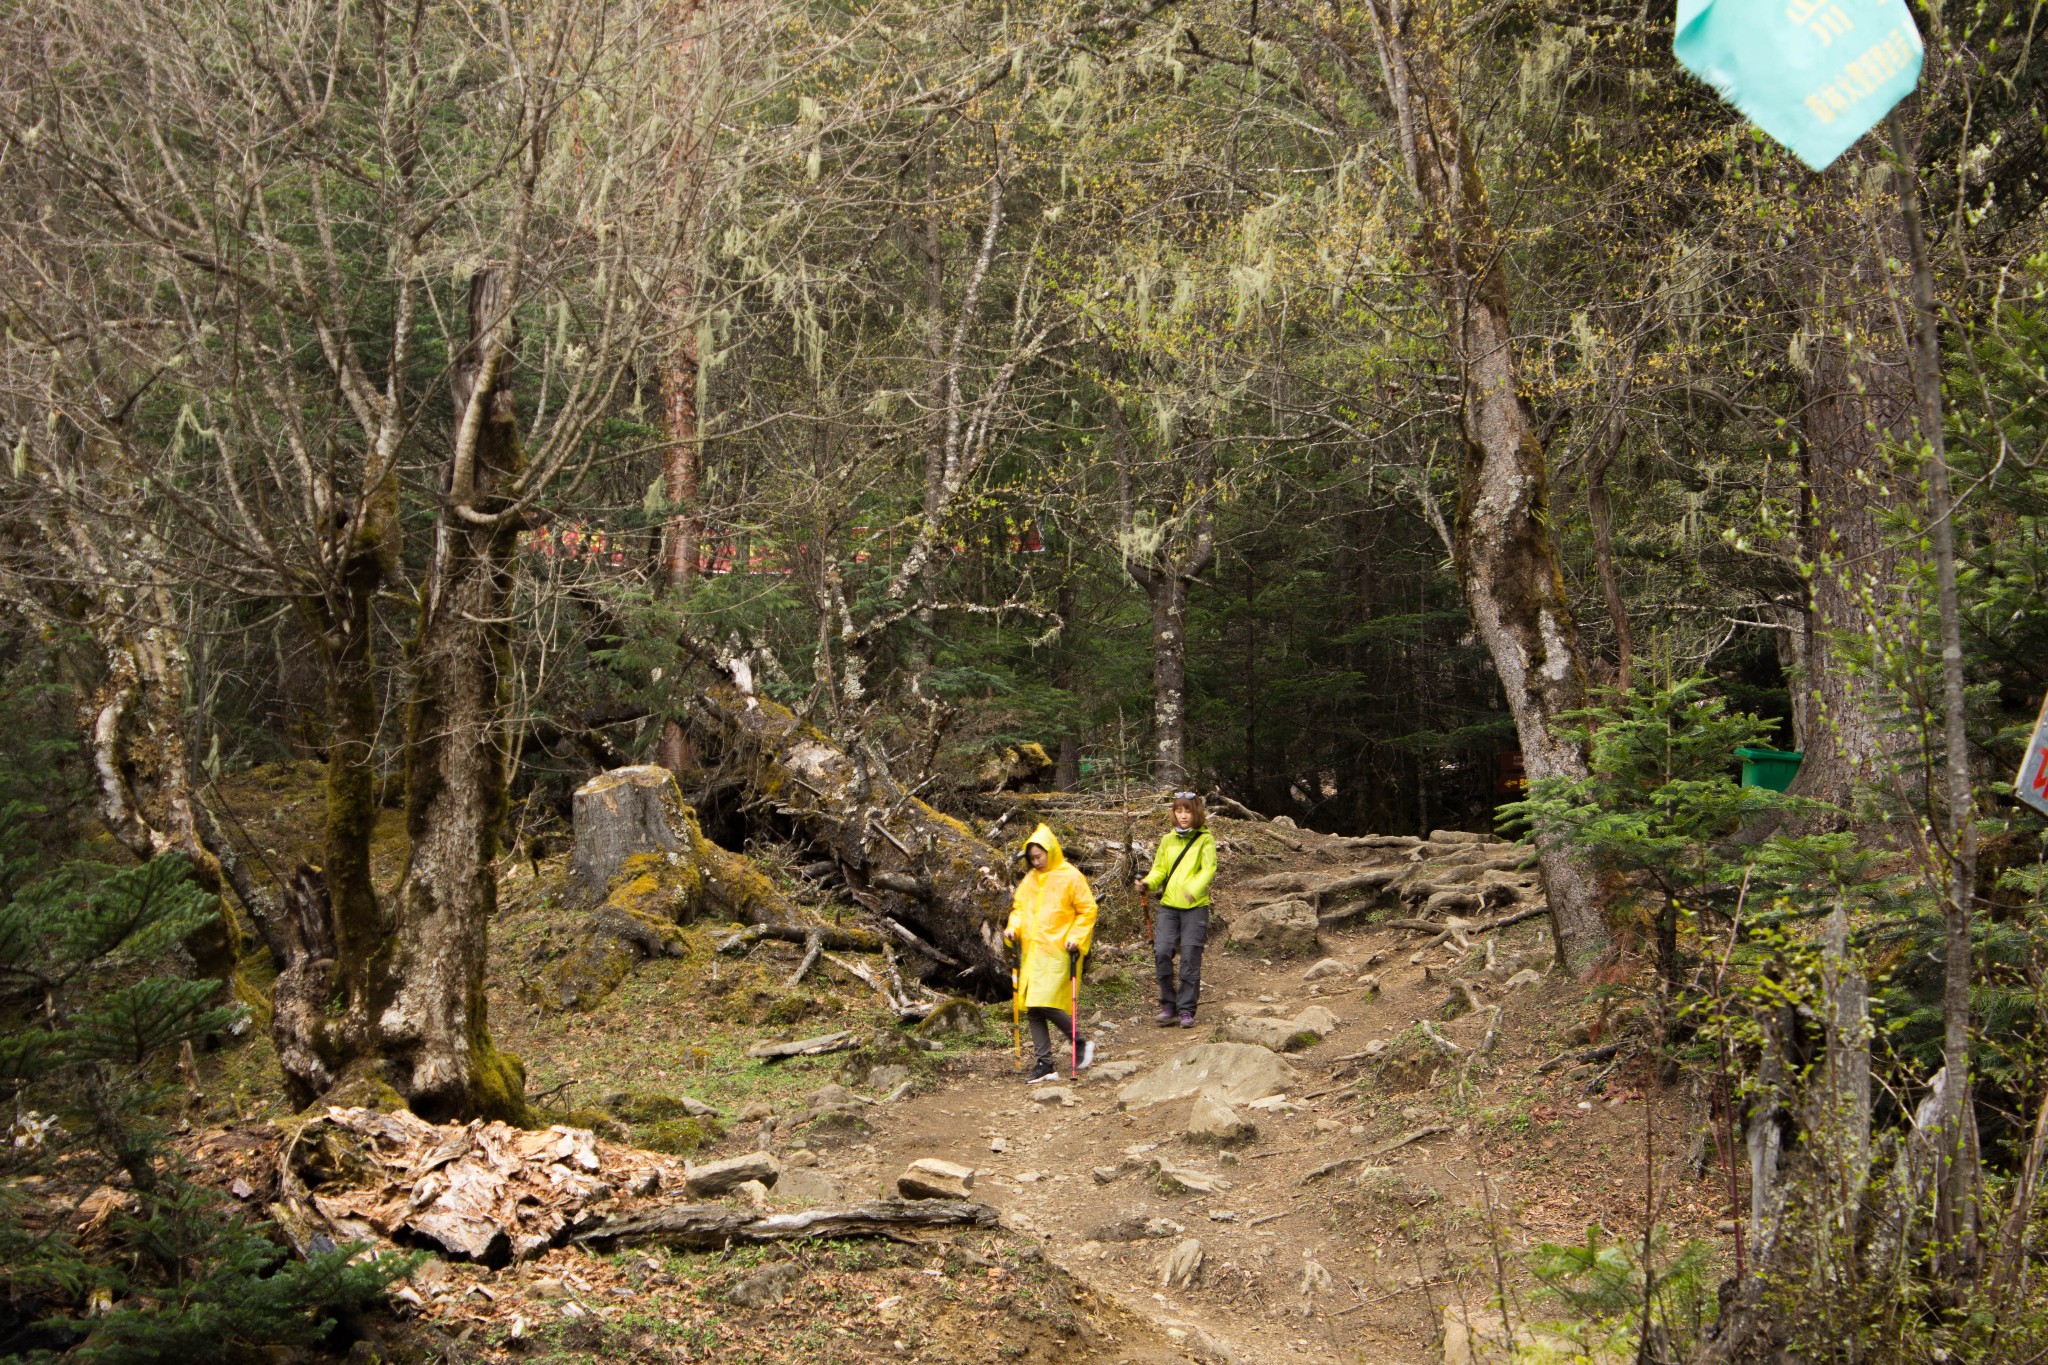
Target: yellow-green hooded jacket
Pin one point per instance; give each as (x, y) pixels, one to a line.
(1054, 910)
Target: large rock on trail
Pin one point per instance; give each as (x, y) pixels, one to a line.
(1283, 929)
(1234, 1072)
(1307, 1029)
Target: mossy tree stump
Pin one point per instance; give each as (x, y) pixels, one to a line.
(622, 813)
(642, 859)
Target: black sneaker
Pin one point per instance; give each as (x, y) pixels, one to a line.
(1042, 1071)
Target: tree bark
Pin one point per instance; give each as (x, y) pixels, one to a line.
(1506, 558)
(1855, 403)
(432, 1031)
(1601, 514)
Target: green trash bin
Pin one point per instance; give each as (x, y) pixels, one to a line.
(1773, 768)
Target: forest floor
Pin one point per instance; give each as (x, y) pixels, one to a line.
(1357, 1265)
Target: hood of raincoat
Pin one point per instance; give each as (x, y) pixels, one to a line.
(1050, 842)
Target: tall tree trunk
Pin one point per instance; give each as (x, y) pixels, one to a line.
(1168, 592)
(1601, 514)
(431, 1023)
(1956, 1206)
(1507, 561)
(683, 532)
(1855, 403)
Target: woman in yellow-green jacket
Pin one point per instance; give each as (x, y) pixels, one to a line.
(1052, 921)
(1180, 877)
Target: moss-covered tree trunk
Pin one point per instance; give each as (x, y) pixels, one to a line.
(432, 1033)
(1507, 559)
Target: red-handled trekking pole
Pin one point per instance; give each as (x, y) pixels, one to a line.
(1074, 1017)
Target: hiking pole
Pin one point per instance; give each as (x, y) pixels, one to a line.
(1016, 1028)
(1074, 1017)
(1145, 902)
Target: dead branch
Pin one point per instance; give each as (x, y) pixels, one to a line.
(712, 1226)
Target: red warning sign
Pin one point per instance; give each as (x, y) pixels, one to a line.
(2031, 786)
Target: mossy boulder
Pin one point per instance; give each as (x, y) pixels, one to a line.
(677, 1136)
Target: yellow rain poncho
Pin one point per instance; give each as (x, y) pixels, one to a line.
(1054, 910)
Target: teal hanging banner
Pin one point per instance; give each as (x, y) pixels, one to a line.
(1814, 74)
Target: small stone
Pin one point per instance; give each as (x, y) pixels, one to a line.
(1053, 1094)
(807, 1186)
(1329, 1126)
(755, 1112)
(1159, 1229)
(930, 1178)
(802, 1156)
(1116, 1072)
(996, 1144)
(1181, 1266)
(887, 1077)
(1030, 1177)
(1223, 1215)
(721, 1177)
(754, 1192)
(1213, 1120)
(1375, 1047)
(1528, 976)
(769, 1285)
(1325, 969)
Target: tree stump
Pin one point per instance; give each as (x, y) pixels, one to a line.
(621, 813)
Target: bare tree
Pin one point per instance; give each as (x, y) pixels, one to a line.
(246, 247)
(1506, 557)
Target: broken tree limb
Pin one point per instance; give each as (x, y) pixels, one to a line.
(1429, 1031)
(813, 946)
(838, 802)
(1413, 1135)
(846, 940)
(803, 1047)
(711, 1226)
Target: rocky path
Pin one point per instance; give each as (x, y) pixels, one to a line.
(1383, 1173)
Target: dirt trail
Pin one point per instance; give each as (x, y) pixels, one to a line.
(1396, 1241)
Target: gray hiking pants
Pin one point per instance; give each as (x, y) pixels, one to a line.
(1183, 932)
(1037, 1017)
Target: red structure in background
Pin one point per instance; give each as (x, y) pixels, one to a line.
(719, 553)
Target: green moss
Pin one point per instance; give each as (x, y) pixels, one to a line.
(958, 1015)
(361, 1087)
(788, 1009)
(642, 1106)
(498, 1084)
(678, 1137)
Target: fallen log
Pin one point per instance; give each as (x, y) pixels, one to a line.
(709, 1227)
(908, 862)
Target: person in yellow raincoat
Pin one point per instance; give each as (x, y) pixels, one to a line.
(1052, 922)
